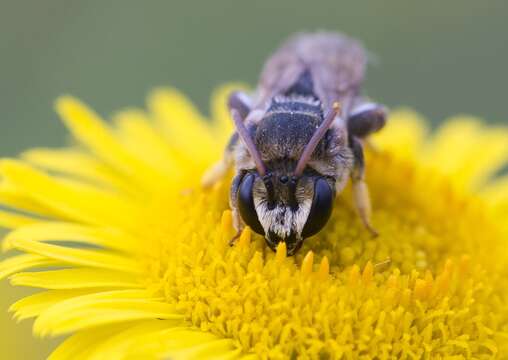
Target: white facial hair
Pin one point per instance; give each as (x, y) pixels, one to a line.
(281, 220)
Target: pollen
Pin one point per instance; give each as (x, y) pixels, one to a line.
(133, 257)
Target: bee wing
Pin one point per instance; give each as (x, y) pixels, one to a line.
(336, 62)
(280, 71)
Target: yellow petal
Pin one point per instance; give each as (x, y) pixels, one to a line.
(497, 191)
(403, 135)
(61, 231)
(477, 152)
(16, 198)
(33, 305)
(79, 164)
(140, 137)
(82, 257)
(119, 343)
(12, 221)
(22, 262)
(97, 309)
(80, 345)
(216, 349)
(75, 200)
(88, 128)
(179, 343)
(183, 125)
(76, 279)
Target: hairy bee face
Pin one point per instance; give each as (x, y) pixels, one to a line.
(285, 209)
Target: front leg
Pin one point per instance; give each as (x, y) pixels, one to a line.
(237, 219)
(361, 196)
(238, 225)
(218, 170)
(240, 102)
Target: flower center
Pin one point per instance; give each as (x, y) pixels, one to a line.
(275, 305)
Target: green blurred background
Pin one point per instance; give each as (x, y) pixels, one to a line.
(439, 57)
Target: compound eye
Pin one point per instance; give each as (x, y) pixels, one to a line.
(246, 204)
(321, 208)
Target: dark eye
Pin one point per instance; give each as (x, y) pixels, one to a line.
(246, 204)
(321, 208)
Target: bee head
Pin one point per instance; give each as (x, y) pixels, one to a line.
(285, 208)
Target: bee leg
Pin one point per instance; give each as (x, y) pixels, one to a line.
(365, 119)
(233, 240)
(241, 103)
(369, 144)
(237, 219)
(362, 203)
(238, 225)
(361, 196)
(217, 171)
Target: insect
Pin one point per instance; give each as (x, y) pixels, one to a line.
(299, 138)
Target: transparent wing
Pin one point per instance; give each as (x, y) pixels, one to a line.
(336, 62)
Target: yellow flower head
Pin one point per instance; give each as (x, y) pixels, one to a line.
(133, 257)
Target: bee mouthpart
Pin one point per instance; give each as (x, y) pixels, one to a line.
(293, 242)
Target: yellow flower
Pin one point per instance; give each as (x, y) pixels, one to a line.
(133, 257)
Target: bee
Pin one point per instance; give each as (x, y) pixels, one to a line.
(299, 138)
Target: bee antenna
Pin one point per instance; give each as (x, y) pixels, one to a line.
(247, 140)
(316, 138)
